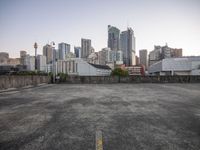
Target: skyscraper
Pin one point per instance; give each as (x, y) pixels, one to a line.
(77, 51)
(63, 49)
(113, 38)
(143, 57)
(4, 57)
(86, 48)
(127, 44)
(22, 57)
(48, 52)
(41, 63)
(30, 62)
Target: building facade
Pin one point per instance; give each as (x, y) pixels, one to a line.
(86, 48)
(93, 58)
(127, 43)
(22, 57)
(48, 52)
(63, 49)
(80, 67)
(41, 63)
(107, 56)
(77, 52)
(176, 66)
(113, 38)
(143, 60)
(176, 52)
(13, 61)
(30, 62)
(4, 57)
(162, 52)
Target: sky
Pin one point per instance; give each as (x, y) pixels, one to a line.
(155, 22)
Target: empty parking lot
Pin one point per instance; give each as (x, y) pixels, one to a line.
(126, 116)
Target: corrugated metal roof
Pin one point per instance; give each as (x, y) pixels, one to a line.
(100, 66)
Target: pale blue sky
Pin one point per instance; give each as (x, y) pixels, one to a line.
(155, 22)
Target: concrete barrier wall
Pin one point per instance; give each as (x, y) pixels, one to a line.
(16, 81)
(132, 79)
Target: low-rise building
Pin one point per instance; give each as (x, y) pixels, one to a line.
(13, 61)
(80, 67)
(93, 58)
(134, 70)
(176, 66)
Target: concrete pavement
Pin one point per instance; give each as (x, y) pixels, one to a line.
(125, 117)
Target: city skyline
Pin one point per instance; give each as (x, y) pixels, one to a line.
(154, 23)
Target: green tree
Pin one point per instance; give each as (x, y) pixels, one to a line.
(63, 77)
(119, 72)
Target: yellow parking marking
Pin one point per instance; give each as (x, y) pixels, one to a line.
(99, 140)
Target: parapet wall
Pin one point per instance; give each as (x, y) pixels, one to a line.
(132, 79)
(16, 81)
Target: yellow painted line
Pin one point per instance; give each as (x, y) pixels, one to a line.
(99, 140)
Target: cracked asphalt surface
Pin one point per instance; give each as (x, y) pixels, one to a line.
(129, 116)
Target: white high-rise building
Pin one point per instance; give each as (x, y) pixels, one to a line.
(41, 63)
(127, 44)
(63, 49)
(30, 62)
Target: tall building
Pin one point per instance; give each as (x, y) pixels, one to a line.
(77, 52)
(143, 57)
(155, 55)
(103, 56)
(63, 49)
(23, 54)
(137, 60)
(113, 38)
(166, 52)
(4, 57)
(86, 48)
(41, 63)
(30, 62)
(48, 52)
(127, 43)
(22, 57)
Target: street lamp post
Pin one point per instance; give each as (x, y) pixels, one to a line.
(35, 46)
(53, 62)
